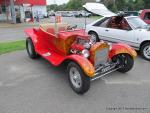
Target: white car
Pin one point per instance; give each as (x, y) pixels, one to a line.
(82, 14)
(130, 30)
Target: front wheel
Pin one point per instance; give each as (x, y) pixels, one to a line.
(125, 62)
(145, 51)
(79, 82)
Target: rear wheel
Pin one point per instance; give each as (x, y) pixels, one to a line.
(125, 61)
(145, 51)
(79, 82)
(94, 37)
(30, 49)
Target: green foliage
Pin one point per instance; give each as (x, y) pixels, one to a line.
(147, 4)
(74, 5)
(121, 5)
(118, 5)
(139, 5)
(71, 5)
(56, 7)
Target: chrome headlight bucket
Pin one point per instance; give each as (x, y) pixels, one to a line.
(85, 53)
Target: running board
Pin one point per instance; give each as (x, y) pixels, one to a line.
(97, 77)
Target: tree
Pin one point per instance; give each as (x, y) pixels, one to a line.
(139, 5)
(52, 7)
(121, 5)
(147, 4)
(74, 5)
(118, 5)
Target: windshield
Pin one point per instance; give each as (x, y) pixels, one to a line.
(137, 22)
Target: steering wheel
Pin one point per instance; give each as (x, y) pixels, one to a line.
(71, 27)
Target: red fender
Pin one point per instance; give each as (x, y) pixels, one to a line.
(120, 48)
(32, 34)
(84, 63)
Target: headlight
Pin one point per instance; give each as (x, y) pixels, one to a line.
(85, 53)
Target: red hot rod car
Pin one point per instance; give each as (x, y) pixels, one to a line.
(86, 61)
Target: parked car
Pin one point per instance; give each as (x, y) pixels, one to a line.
(130, 30)
(51, 13)
(67, 14)
(132, 13)
(145, 15)
(82, 14)
(85, 61)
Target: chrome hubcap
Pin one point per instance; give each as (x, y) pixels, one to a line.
(93, 38)
(146, 51)
(75, 77)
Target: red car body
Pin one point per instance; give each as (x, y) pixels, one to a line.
(145, 15)
(55, 46)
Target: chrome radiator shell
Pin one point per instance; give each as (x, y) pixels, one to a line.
(101, 56)
(99, 53)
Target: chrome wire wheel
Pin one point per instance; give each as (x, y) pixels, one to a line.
(146, 51)
(75, 77)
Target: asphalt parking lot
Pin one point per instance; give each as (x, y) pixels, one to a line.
(35, 86)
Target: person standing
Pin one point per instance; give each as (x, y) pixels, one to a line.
(18, 16)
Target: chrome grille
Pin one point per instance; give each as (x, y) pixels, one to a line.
(101, 56)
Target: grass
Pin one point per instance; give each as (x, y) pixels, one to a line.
(6, 47)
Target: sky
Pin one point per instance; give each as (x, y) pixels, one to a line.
(57, 1)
